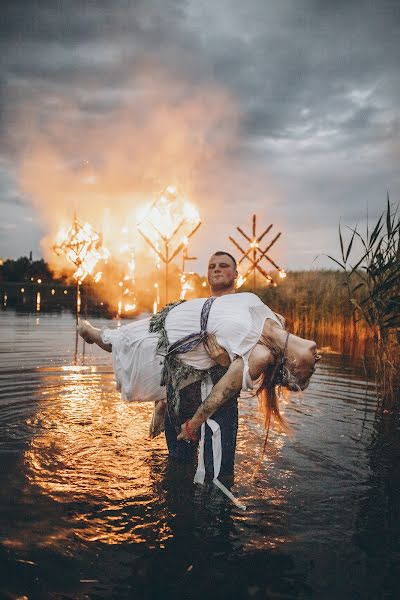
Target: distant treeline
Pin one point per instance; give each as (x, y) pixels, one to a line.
(23, 270)
(31, 286)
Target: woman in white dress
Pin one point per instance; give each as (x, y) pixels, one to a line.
(253, 336)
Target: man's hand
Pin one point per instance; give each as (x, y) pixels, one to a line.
(229, 385)
(216, 351)
(187, 434)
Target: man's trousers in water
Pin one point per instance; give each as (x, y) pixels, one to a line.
(226, 417)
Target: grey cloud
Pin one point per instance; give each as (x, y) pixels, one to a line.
(11, 200)
(310, 58)
(316, 82)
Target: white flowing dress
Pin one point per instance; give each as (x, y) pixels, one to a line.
(236, 320)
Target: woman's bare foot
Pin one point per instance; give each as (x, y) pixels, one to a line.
(92, 335)
(86, 330)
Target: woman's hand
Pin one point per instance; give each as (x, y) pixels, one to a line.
(216, 352)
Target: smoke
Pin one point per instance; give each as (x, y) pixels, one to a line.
(104, 154)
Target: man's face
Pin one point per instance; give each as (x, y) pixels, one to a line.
(221, 272)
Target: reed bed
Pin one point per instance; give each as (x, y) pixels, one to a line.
(355, 310)
(315, 305)
(372, 282)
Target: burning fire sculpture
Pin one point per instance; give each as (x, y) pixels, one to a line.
(255, 255)
(82, 245)
(168, 223)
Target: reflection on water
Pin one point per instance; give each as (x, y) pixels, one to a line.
(92, 508)
(91, 446)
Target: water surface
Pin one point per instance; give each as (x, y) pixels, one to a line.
(91, 508)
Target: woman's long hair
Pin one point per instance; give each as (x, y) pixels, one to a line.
(271, 379)
(268, 398)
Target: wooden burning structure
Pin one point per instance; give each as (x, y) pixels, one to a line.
(254, 254)
(166, 219)
(83, 246)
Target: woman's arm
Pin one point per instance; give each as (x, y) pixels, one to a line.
(229, 385)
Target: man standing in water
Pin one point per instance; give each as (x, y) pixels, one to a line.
(222, 274)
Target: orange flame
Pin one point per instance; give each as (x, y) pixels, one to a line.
(167, 216)
(82, 245)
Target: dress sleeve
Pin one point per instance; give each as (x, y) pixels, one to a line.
(242, 345)
(259, 314)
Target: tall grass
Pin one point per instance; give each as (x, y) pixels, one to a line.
(372, 283)
(315, 305)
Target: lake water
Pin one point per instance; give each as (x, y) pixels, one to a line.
(91, 508)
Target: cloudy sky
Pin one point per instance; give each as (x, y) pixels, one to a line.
(286, 109)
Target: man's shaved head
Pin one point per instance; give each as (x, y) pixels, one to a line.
(222, 273)
(221, 253)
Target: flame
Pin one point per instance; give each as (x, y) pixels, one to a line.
(157, 300)
(186, 286)
(82, 245)
(240, 281)
(129, 307)
(166, 226)
(190, 213)
(166, 216)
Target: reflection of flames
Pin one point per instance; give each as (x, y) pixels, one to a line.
(90, 448)
(82, 245)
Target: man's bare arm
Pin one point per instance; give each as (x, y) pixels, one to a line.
(229, 385)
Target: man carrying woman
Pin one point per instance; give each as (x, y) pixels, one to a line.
(155, 359)
(221, 275)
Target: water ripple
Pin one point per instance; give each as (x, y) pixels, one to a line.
(81, 480)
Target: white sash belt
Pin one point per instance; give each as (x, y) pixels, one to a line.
(206, 387)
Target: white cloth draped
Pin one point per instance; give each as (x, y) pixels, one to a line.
(206, 387)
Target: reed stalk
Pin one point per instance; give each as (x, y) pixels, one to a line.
(372, 283)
